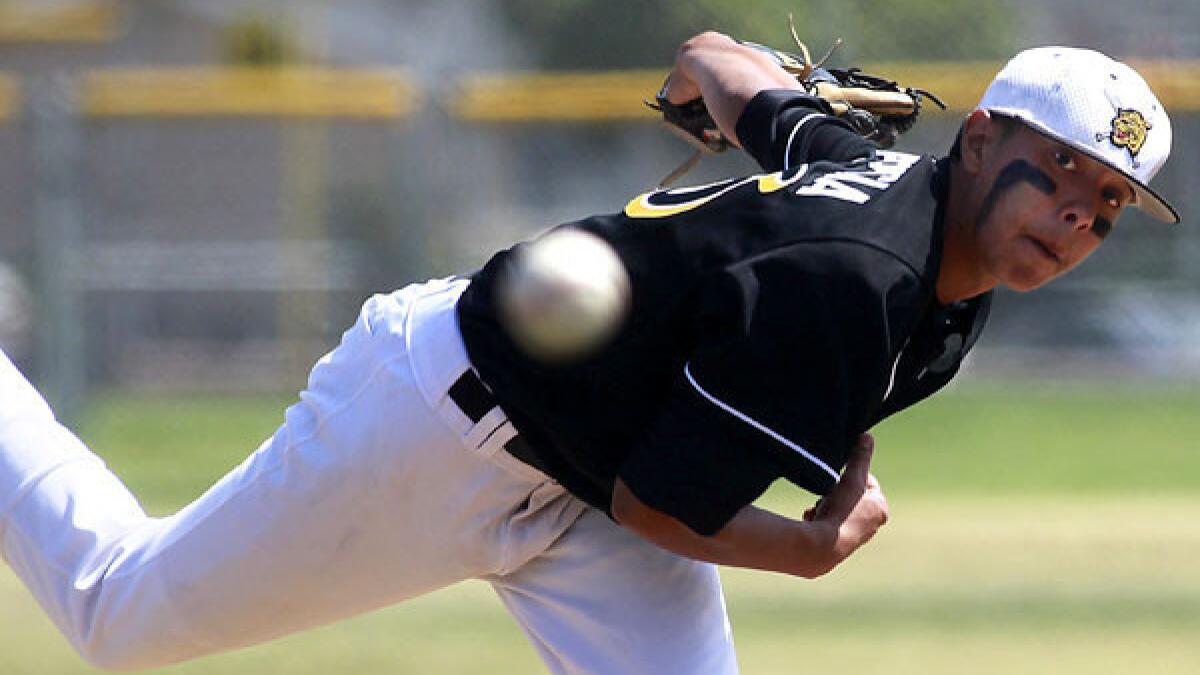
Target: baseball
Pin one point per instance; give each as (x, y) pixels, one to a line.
(564, 294)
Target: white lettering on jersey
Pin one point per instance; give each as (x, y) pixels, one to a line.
(876, 175)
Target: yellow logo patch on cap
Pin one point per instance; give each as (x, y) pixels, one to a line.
(1129, 130)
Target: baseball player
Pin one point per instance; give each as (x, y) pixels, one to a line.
(775, 318)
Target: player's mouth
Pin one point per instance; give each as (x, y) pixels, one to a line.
(1046, 250)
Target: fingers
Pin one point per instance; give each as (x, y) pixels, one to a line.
(852, 484)
(811, 512)
(859, 463)
(855, 508)
(858, 466)
(874, 487)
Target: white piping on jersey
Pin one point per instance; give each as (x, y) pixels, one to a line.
(687, 371)
(787, 154)
(895, 366)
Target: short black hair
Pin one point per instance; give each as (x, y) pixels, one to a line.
(1007, 123)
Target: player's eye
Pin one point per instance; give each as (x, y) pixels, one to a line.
(1064, 160)
(1112, 198)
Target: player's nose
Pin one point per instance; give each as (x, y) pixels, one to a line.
(1079, 213)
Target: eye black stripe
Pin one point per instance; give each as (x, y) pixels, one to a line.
(1015, 172)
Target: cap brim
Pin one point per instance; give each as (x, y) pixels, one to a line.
(1151, 202)
(1144, 197)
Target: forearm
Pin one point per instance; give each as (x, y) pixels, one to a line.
(762, 540)
(726, 74)
(754, 538)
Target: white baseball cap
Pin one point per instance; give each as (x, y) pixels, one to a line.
(1094, 104)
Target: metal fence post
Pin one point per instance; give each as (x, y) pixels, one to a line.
(58, 214)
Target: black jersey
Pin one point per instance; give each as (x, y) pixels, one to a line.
(774, 318)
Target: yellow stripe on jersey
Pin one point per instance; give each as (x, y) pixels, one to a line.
(771, 182)
(666, 203)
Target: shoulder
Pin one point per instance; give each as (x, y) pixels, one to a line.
(857, 266)
(890, 202)
(840, 258)
(835, 295)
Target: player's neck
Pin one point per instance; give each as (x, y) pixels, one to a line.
(961, 275)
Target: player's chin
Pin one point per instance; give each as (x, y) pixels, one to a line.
(1029, 268)
(1025, 277)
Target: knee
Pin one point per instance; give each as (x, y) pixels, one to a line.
(118, 651)
(118, 656)
(99, 656)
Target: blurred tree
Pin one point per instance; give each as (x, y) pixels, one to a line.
(644, 33)
(257, 41)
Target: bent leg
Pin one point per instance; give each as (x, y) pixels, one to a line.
(362, 498)
(603, 600)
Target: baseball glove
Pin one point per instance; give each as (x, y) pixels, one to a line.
(877, 108)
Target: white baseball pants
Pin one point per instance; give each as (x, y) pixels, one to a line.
(375, 489)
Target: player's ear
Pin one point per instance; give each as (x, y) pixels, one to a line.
(979, 132)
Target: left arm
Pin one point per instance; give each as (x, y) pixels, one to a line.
(726, 74)
(783, 127)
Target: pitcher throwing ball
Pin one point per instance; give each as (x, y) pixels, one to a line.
(771, 320)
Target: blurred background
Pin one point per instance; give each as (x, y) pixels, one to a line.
(197, 195)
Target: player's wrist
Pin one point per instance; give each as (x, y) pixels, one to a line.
(814, 549)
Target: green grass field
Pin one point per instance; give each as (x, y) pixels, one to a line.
(1033, 531)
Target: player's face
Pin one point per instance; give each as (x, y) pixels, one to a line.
(1043, 207)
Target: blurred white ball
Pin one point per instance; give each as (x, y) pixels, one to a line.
(564, 294)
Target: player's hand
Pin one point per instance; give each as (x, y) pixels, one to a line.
(679, 88)
(710, 83)
(853, 511)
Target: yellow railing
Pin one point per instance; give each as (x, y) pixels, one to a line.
(248, 92)
(30, 21)
(961, 85)
(556, 96)
(618, 95)
(1177, 83)
(490, 98)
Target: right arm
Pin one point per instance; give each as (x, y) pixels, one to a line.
(845, 519)
(769, 392)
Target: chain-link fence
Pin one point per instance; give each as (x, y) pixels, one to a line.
(225, 249)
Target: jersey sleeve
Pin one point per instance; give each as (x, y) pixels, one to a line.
(783, 128)
(791, 350)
